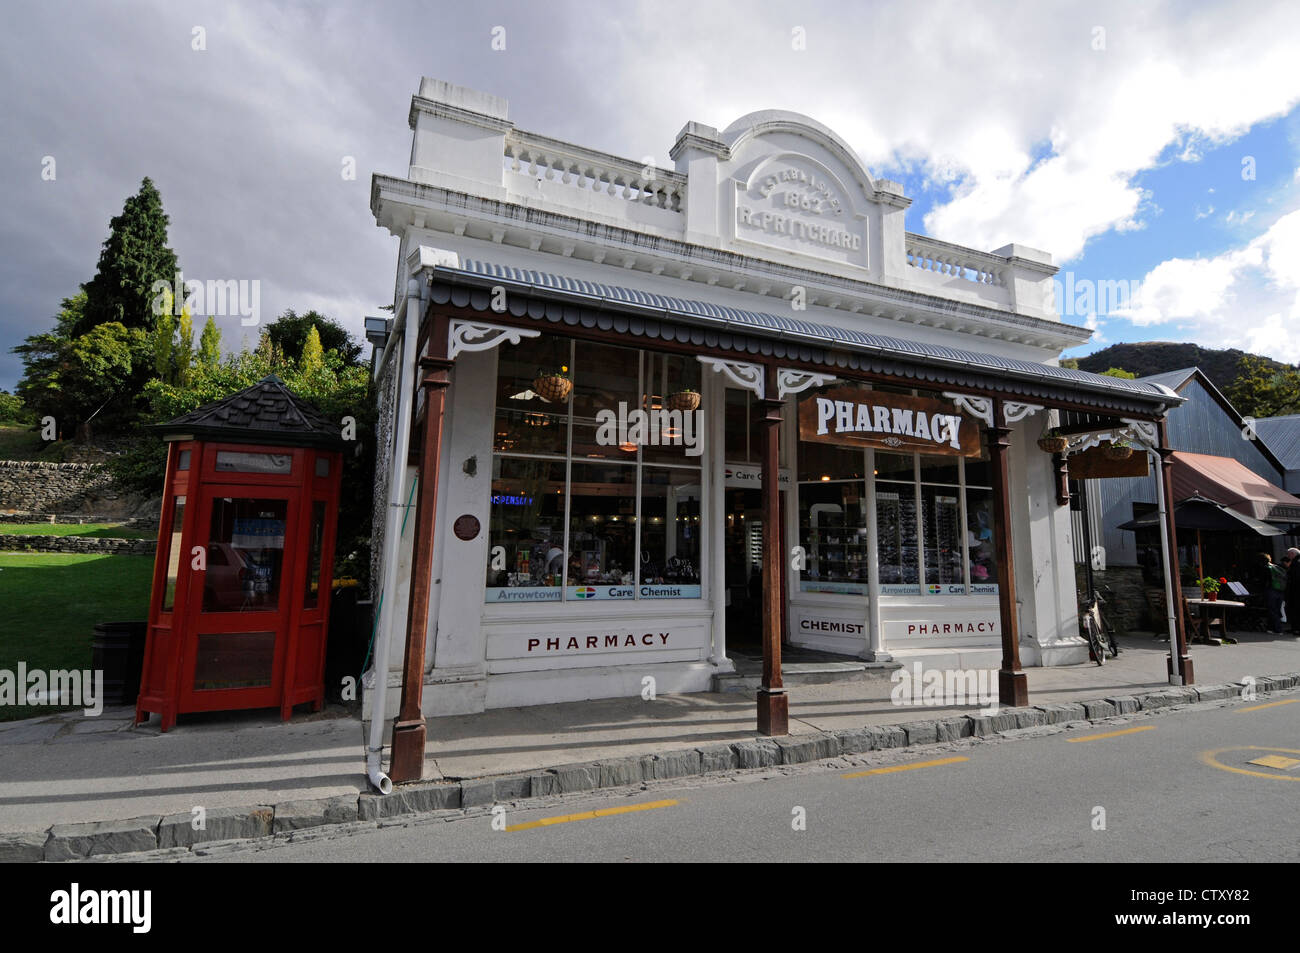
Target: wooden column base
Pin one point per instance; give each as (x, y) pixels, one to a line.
(408, 751)
(773, 712)
(1013, 689)
(1189, 678)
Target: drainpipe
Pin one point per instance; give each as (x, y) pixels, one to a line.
(392, 536)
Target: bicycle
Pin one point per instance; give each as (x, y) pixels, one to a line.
(1090, 623)
(1106, 625)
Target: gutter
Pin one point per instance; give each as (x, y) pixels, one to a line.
(415, 294)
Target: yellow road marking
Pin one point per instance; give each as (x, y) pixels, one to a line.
(587, 815)
(1209, 757)
(1114, 734)
(1281, 762)
(1285, 701)
(905, 767)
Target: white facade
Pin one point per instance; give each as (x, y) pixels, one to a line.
(774, 214)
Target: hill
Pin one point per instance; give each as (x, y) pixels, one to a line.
(1157, 357)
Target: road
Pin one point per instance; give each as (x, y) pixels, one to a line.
(1172, 787)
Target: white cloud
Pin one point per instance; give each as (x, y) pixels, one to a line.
(1038, 136)
(1247, 297)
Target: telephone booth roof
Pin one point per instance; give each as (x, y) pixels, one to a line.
(266, 413)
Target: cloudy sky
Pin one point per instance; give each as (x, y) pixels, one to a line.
(1153, 146)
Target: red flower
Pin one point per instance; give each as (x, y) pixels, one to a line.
(1223, 581)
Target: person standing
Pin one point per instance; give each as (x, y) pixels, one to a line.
(1273, 581)
(1292, 563)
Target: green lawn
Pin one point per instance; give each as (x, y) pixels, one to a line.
(50, 603)
(102, 530)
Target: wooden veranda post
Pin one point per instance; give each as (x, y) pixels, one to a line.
(1013, 685)
(773, 703)
(409, 733)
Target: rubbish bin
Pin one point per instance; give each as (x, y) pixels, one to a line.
(118, 651)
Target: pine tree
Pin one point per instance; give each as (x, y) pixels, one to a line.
(135, 256)
(210, 345)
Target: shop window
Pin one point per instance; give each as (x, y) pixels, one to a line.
(982, 558)
(670, 533)
(245, 555)
(174, 554)
(941, 525)
(604, 383)
(602, 531)
(934, 521)
(526, 531)
(527, 421)
(572, 520)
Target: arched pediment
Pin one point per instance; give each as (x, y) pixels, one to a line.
(797, 187)
(779, 123)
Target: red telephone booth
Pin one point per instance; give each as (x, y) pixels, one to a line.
(242, 576)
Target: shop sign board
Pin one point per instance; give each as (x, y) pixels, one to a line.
(746, 475)
(964, 625)
(849, 416)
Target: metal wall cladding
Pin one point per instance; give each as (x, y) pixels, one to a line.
(1199, 426)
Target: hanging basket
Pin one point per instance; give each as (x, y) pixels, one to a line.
(1118, 453)
(686, 400)
(1053, 444)
(552, 387)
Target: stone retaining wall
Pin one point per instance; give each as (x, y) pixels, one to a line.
(19, 542)
(149, 523)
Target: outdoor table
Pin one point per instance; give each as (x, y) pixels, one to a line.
(1203, 616)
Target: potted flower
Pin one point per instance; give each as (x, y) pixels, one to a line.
(684, 399)
(553, 386)
(1053, 441)
(1210, 587)
(1119, 449)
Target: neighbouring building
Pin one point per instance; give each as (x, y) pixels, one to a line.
(1219, 455)
(588, 358)
(1282, 435)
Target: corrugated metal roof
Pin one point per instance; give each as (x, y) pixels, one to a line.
(1171, 379)
(783, 335)
(1282, 436)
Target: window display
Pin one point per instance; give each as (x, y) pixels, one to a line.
(577, 517)
(933, 520)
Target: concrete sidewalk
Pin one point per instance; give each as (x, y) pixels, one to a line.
(67, 768)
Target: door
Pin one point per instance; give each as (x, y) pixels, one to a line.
(234, 654)
(743, 548)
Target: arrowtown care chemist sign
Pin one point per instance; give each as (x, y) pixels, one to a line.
(848, 416)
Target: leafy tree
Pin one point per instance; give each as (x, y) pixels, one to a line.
(209, 355)
(12, 410)
(84, 378)
(289, 331)
(135, 256)
(313, 355)
(1071, 362)
(1261, 389)
(1120, 373)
